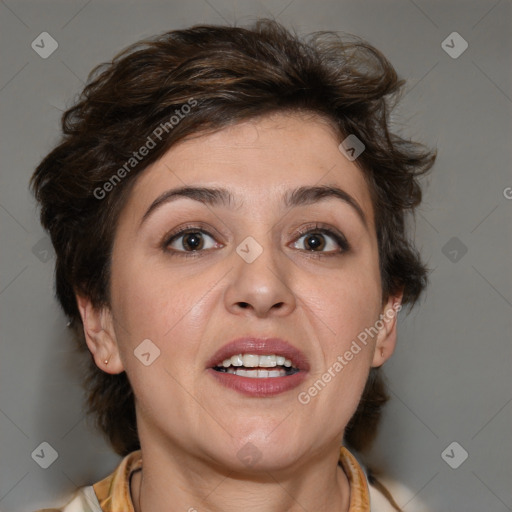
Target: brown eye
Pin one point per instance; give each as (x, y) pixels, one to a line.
(322, 241)
(314, 242)
(191, 241)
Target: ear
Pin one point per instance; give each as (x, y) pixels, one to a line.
(100, 335)
(387, 324)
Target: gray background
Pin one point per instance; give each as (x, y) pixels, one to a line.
(450, 377)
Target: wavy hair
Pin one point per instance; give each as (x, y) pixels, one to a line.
(233, 74)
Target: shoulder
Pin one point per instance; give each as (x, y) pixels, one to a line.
(109, 494)
(84, 500)
(380, 494)
(387, 495)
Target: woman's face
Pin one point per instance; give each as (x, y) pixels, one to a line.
(265, 255)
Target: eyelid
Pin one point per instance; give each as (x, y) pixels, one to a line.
(324, 229)
(169, 237)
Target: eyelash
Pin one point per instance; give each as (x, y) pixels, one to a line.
(312, 229)
(318, 228)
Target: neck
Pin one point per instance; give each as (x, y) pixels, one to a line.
(318, 484)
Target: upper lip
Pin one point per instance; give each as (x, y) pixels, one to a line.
(260, 346)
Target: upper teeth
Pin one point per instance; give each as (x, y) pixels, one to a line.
(254, 361)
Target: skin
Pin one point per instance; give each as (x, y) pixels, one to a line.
(191, 428)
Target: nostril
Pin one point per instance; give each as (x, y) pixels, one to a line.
(243, 305)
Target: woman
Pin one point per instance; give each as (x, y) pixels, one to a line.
(227, 208)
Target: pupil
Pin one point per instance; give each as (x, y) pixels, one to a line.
(314, 242)
(193, 241)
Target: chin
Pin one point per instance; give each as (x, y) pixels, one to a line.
(260, 452)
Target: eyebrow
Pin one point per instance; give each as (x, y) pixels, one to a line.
(220, 196)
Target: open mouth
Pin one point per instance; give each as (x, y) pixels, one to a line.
(257, 366)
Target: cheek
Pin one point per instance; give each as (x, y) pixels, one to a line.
(150, 302)
(345, 302)
(141, 305)
(151, 306)
(342, 308)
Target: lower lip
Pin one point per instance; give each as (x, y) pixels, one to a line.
(259, 387)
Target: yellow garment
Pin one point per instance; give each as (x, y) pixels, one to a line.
(112, 494)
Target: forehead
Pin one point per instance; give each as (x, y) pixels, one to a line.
(258, 161)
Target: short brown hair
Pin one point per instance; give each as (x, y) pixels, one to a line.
(228, 74)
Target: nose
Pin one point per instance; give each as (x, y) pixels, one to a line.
(261, 287)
